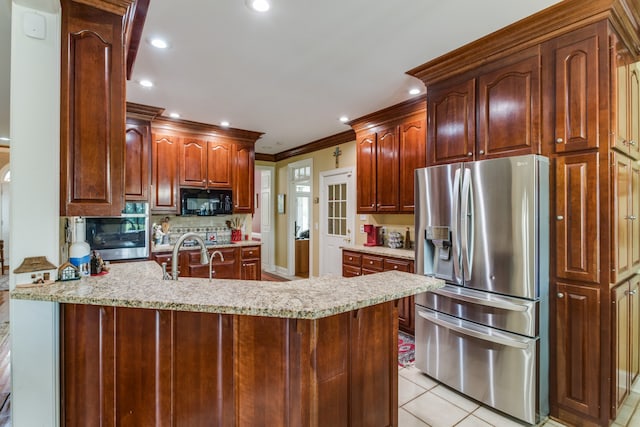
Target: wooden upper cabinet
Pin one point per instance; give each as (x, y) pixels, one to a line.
(413, 155)
(193, 162)
(577, 217)
(92, 112)
(577, 88)
(452, 125)
(243, 180)
(634, 213)
(138, 141)
(366, 171)
(626, 93)
(387, 169)
(578, 348)
(164, 173)
(509, 108)
(219, 164)
(634, 110)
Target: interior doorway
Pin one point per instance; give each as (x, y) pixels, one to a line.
(263, 217)
(300, 218)
(337, 214)
(5, 193)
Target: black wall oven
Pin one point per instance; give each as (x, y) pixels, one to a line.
(122, 237)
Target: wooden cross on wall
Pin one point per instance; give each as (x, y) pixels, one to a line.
(337, 153)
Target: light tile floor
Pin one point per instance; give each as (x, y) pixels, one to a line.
(424, 402)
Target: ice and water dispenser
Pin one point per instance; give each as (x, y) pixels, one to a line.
(437, 249)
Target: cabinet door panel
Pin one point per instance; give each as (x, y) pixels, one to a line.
(164, 173)
(366, 172)
(219, 161)
(622, 223)
(620, 339)
(452, 125)
(193, 163)
(509, 109)
(577, 217)
(136, 172)
(620, 83)
(243, 179)
(634, 328)
(578, 348)
(92, 112)
(413, 155)
(634, 110)
(577, 84)
(387, 170)
(634, 212)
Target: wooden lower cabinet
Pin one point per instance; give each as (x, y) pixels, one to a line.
(625, 300)
(240, 263)
(578, 352)
(131, 366)
(356, 264)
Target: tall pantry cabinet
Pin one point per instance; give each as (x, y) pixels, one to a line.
(571, 78)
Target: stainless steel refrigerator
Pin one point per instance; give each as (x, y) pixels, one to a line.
(484, 228)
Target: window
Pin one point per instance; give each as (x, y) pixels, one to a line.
(337, 205)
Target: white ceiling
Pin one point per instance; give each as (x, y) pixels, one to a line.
(293, 71)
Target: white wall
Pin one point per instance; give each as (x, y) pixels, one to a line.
(35, 164)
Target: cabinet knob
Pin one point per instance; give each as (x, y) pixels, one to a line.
(559, 140)
(559, 217)
(632, 142)
(560, 295)
(370, 262)
(481, 151)
(395, 267)
(373, 205)
(350, 258)
(469, 154)
(631, 217)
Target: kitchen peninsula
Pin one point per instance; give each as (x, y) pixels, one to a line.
(139, 350)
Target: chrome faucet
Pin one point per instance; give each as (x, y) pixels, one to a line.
(213, 255)
(204, 259)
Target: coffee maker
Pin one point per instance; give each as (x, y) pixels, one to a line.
(374, 235)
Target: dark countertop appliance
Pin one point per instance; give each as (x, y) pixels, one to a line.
(206, 202)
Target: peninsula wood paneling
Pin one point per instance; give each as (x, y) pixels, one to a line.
(92, 112)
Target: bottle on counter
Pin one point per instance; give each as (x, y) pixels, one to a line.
(407, 239)
(79, 251)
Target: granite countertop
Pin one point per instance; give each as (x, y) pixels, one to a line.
(140, 285)
(169, 247)
(382, 250)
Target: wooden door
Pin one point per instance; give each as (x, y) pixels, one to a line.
(634, 328)
(451, 130)
(136, 173)
(219, 164)
(621, 222)
(509, 108)
(92, 112)
(413, 155)
(634, 215)
(577, 217)
(577, 89)
(387, 169)
(366, 172)
(634, 110)
(578, 370)
(193, 162)
(244, 156)
(620, 339)
(164, 173)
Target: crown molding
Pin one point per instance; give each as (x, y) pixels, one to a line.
(180, 125)
(118, 7)
(399, 111)
(143, 112)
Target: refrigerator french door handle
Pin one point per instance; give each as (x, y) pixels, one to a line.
(455, 241)
(466, 218)
(495, 337)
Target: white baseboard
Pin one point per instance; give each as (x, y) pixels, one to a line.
(282, 270)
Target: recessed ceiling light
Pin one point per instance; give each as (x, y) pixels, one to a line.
(224, 123)
(259, 5)
(174, 115)
(4, 138)
(414, 91)
(146, 83)
(159, 43)
(344, 119)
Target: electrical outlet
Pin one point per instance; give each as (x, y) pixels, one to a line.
(362, 228)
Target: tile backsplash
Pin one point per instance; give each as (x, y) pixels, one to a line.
(179, 225)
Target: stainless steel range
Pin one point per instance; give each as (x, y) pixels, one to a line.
(484, 228)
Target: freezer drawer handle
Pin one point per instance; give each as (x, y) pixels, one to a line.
(492, 338)
(497, 304)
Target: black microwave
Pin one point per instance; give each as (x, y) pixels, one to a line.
(205, 202)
